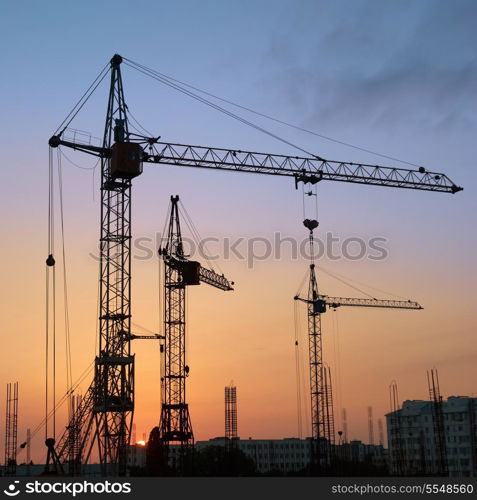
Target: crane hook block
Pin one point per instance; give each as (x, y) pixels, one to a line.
(310, 224)
(54, 141)
(50, 261)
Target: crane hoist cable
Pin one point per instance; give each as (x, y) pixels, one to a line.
(50, 292)
(298, 371)
(69, 372)
(307, 206)
(50, 296)
(268, 117)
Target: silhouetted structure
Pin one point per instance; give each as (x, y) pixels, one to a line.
(370, 425)
(231, 431)
(106, 411)
(381, 432)
(395, 442)
(322, 416)
(11, 429)
(74, 437)
(419, 439)
(438, 422)
(345, 425)
(357, 458)
(175, 425)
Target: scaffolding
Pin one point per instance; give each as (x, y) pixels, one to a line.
(11, 429)
(231, 432)
(438, 423)
(370, 426)
(398, 453)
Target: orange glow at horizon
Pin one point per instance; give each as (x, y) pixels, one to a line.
(248, 335)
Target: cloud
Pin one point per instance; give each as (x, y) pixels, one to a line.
(379, 64)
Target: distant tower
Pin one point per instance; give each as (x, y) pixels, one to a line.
(345, 425)
(11, 429)
(370, 425)
(231, 415)
(381, 432)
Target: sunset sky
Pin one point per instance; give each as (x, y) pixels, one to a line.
(396, 77)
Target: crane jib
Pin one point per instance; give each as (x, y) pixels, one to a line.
(303, 169)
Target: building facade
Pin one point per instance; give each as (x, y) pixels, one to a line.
(425, 440)
(271, 455)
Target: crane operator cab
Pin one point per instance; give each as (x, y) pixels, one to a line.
(126, 157)
(319, 306)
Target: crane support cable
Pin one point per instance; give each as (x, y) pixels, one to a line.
(345, 280)
(274, 119)
(200, 242)
(82, 101)
(348, 284)
(151, 73)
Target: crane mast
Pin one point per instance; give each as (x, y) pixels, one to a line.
(175, 425)
(323, 439)
(113, 400)
(105, 414)
(322, 414)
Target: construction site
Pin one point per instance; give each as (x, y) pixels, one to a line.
(89, 428)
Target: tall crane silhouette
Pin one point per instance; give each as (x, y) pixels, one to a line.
(179, 272)
(322, 414)
(105, 414)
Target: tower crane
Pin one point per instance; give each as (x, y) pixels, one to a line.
(106, 412)
(322, 419)
(179, 272)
